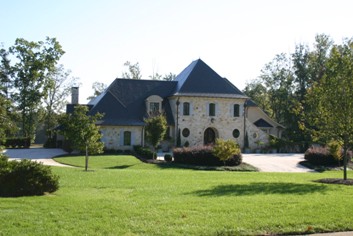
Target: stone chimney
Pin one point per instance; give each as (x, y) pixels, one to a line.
(74, 95)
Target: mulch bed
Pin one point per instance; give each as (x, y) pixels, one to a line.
(335, 181)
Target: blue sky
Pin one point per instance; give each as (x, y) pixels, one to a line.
(235, 38)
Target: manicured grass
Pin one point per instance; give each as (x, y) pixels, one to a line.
(122, 196)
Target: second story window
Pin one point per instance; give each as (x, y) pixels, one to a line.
(154, 107)
(212, 109)
(186, 109)
(236, 111)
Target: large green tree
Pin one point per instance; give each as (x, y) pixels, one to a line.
(331, 100)
(34, 61)
(81, 131)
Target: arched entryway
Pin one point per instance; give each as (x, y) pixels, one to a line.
(209, 136)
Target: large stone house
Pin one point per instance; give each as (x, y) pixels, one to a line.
(199, 105)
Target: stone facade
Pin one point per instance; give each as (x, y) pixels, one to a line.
(113, 137)
(224, 124)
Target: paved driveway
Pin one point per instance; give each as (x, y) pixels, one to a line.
(282, 162)
(265, 162)
(43, 155)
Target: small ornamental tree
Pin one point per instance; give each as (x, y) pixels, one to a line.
(80, 129)
(156, 127)
(225, 149)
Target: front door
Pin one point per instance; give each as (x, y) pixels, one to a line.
(209, 136)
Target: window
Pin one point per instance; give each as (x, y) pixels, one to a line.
(236, 133)
(154, 107)
(212, 109)
(236, 110)
(186, 132)
(186, 109)
(127, 138)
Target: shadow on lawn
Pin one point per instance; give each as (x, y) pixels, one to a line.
(261, 188)
(119, 167)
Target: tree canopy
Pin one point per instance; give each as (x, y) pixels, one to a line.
(156, 127)
(331, 100)
(81, 131)
(28, 75)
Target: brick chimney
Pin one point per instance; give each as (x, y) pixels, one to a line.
(74, 95)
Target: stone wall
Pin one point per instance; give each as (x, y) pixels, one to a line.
(113, 136)
(223, 123)
(257, 138)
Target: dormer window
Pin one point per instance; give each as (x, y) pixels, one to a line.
(154, 105)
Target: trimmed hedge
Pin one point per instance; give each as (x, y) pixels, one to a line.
(202, 155)
(321, 156)
(143, 152)
(25, 178)
(17, 142)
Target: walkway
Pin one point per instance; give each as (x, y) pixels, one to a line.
(281, 162)
(43, 155)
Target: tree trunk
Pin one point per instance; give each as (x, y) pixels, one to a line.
(345, 158)
(86, 159)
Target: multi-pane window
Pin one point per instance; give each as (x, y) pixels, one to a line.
(186, 109)
(154, 107)
(127, 138)
(212, 109)
(236, 110)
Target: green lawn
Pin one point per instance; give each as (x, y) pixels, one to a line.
(123, 196)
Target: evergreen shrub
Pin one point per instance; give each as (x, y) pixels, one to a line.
(318, 155)
(202, 155)
(26, 178)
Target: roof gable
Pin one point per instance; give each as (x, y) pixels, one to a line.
(199, 78)
(123, 102)
(262, 123)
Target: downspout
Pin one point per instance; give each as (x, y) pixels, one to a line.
(177, 121)
(245, 113)
(143, 136)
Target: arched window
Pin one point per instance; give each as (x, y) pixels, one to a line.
(236, 110)
(186, 109)
(127, 138)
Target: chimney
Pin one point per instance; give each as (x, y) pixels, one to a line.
(74, 95)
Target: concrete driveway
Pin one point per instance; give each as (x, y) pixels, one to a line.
(43, 155)
(281, 162)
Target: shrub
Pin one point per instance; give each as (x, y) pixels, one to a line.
(335, 149)
(143, 152)
(26, 178)
(235, 160)
(168, 157)
(318, 155)
(225, 149)
(18, 142)
(202, 155)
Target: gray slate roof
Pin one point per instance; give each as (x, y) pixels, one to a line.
(123, 102)
(198, 78)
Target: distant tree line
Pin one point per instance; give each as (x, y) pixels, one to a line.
(32, 87)
(310, 92)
